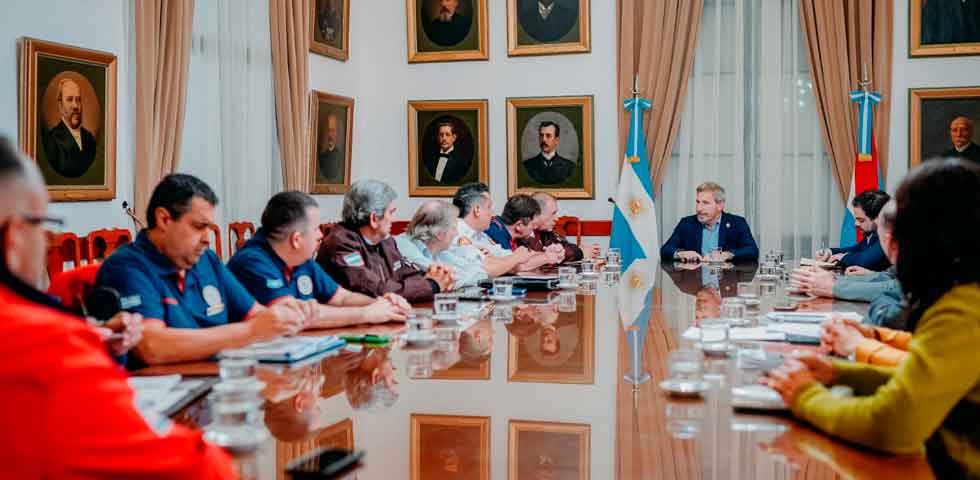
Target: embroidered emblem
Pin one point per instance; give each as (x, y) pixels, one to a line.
(305, 284)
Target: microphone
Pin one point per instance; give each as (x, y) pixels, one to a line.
(129, 211)
(610, 200)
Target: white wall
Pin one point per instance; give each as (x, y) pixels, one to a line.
(98, 25)
(381, 81)
(916, 73)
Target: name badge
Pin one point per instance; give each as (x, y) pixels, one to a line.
(213, 298)
(354, 260)
(131, 301)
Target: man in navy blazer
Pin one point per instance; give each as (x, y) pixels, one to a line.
(867, 253)
(696, 236)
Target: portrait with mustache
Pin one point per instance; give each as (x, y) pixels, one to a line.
(70, 148)
(447, 22)
(548, 167)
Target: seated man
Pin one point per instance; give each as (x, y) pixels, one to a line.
(360, 254)
(475, 214)
(278, 263)
(697, 236)
(66, 409)
(514, 224)
(880, 288)
(866, 253)
(192, 305)
(428, 237)
(544, 234)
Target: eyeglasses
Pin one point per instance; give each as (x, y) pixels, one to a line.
(48, 223)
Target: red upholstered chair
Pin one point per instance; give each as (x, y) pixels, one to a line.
(101, 243)
(71, 286)
(216, 240)
(398, 227)
(569, 226)
(325, 228)
(236, 235)
(62, 248)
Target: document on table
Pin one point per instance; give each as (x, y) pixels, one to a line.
(160, 393)
(285, 349)
(742, 334)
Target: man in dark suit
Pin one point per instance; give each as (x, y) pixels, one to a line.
(329, 23)
(696, 236)
(70, 148)
(867, 253)
(449, 27)
(961, 134)
(547, 20)
(330, 161)
(448, 165)
(548, 167)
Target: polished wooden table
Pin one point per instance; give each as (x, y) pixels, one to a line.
(536, 390)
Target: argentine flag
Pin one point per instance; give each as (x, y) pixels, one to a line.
(866, 175)
(634, 225)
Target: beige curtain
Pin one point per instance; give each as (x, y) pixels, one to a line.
(657, 39)
(289, 26)
(842, 36)
(163, 42)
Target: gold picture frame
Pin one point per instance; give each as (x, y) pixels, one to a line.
(468, 160)
(452, 41)
(559, 446)
(74, 168)
(330, 35)
(571, 339)
(572, 174)
(567, 28)
(931, 111)
(328, 174)
(936, 43)
(465, 438)
(340, 435)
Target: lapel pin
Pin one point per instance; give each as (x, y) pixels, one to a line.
(728, 225)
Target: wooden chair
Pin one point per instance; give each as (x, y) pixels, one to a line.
(63, 248)
(236, 235)
(216, 242)
(101, 243)
(569, 226)
(325, 228)
(397, 227)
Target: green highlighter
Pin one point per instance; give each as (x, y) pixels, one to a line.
(366, 339)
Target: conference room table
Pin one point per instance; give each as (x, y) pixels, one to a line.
(535, 390)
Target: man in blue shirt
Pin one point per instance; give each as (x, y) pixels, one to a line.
(867, 253)
(277, 263)
(712, 234)
(515, 222)
(192, 305)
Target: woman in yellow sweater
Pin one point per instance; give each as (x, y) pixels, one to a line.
(932, 398)
(867, 343)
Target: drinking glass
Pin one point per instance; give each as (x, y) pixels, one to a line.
(588, 286)
(749, 293)
(714, 336)
(236, 368)
(419, 325)
(588, 268)
(503, 287)
(566, 277)
(566, 299)
(733, 310)
(610, 276)
(613, 256)
(502, 313)
(447, 305)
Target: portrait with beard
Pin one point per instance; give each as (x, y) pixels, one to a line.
(942, 124)
(448, 447)
(447, 30)
(550, 147)
(329, 25)
(333, 117)
(68, 118)
(447, 22)
(548, 451)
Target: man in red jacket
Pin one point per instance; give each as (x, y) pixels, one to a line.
(66, 411)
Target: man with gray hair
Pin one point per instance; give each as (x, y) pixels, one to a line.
(544, 234)
(360, 254)
(428, 238)
(961, 136)
(712, 234)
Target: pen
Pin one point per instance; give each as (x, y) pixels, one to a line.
(370, 339)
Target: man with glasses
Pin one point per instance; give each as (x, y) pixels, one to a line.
(194, 307)
(66, 409)
(277, 263)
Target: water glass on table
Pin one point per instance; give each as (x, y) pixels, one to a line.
(418, 326)
(714, 336)
(566, 277)
(613, 257)
(446, 305)
(503, 287)
(588, 268)
(733, 310)
(749, 293)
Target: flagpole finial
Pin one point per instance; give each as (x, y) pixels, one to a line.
(636, 84)
(865, 82)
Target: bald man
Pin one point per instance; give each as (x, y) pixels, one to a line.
(961, 134)
(69, 147)
(66, 409)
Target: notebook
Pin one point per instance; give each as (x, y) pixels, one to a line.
(285, 349)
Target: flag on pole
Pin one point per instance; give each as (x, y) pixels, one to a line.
(866, 174)
(634, 225)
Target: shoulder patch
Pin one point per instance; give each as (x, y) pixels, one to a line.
(274, 283)
(131, 301)
(353, 260)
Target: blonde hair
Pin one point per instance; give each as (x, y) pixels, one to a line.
(714, 188)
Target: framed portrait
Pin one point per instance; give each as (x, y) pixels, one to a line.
(67, 110)
(333, 118)
(941, 123)
(329, 28)
(548, 450)
(943, 28)
(447, 146)
(446, 30)
(339, 435)
(549, 146)
(547, 27)
(546, 345)
(469, 357)
(450, 447)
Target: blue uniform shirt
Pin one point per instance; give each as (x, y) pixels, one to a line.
(267, 277)
(147, 283)
(709, 238)
(498, 232)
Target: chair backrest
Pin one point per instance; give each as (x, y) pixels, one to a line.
(101, 243)
(325, 228)
(216, 242)
(71, 286)
(569, 226)
(236, 235)
(63, 248)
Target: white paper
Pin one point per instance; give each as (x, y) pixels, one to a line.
(741, 334)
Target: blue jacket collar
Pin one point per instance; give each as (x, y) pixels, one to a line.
(151, 253)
